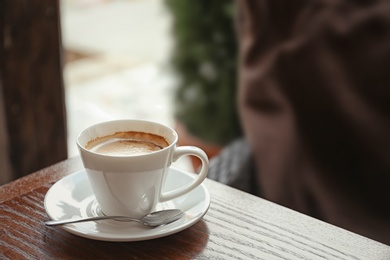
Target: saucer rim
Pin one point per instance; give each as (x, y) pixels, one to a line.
(175, 228)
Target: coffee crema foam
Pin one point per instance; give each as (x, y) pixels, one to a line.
(127, 143)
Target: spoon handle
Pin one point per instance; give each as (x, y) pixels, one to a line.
(70, 221)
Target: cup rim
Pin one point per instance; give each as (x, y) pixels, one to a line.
(173, 143)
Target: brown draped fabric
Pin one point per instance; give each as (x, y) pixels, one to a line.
(314, 98)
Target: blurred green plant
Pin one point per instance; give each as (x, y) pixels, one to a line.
(205, 61)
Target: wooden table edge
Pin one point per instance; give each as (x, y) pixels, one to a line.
(35, 180)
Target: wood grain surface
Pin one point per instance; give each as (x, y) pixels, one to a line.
(237, 226)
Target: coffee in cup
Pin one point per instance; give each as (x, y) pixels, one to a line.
(127, 143)
(127, 162)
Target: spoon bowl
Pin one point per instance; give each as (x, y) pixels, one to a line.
(154, 219)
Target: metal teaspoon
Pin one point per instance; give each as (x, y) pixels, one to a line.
(153, 219)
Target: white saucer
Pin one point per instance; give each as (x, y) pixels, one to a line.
(72, 197)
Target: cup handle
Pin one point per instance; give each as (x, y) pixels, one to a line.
(183, 151)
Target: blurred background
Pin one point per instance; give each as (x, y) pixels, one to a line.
(150, 59)
(116, 54)
(170, 61)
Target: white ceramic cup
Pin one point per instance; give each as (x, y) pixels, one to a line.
(132, 185)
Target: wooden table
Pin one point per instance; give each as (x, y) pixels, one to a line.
(237, 226)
